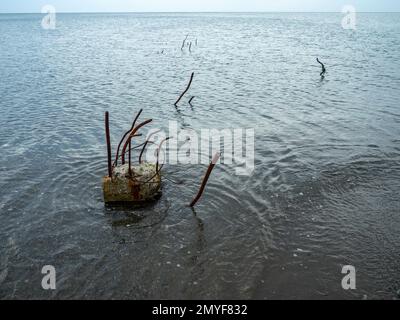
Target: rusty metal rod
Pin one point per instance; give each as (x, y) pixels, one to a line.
(206, 177)
(190, 101)
(130, 161)
(183, 43)
(158, 152)
(135, 147)
(132, 134)
(186, 90)
(124, 136)
(108, 140)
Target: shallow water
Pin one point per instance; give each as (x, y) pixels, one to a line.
(325, 191)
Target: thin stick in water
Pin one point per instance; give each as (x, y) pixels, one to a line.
(183, 43)
(206, 177)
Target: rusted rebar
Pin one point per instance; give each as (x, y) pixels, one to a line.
(130, 158)
(131, 135)
(145, 145)
(206, 177)
(108, 140)
(186, 90)
(323, 68)
(124, 136)
(190, 101)
(158, 152)
(183, 43)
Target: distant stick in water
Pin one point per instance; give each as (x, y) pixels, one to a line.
(186, 90)
(183, 43)
(190, 101)
(323, 68)
(190, 47)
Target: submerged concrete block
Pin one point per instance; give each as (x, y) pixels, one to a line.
(143, 185)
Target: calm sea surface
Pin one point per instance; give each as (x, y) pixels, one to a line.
(324, 193)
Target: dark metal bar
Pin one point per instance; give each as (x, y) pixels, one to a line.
(107, 124)
(190, 101)
(323, 68)
(183, 43)
(129, 156)
(123, 138)
(158, 152)
(132, 134)
(186, 90)
(206, 177)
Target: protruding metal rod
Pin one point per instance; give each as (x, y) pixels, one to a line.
(323, 68)
(206, 177)
(183, 43)
(186, 90)
(131, 135)
(123, 138)
(158, 152)
(107, 123)
(130, 159)
(190, 101)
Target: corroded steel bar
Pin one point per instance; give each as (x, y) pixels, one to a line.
(183, 43)
(190, 101)
(124, 136)
(206, 177)
(323, 67)
(129, 156)
(132, 134)
(107, 124)
(158, 152)
(186, 90)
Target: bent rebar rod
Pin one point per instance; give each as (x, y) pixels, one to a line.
(131, 135)
(190, 101)
(206, 177)
(183, 43)
(123, 138)
(158, 152)
(323, 68)
(186, 90)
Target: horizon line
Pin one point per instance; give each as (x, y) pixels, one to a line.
(191, 12)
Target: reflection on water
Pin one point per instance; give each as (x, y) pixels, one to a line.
(327, 170)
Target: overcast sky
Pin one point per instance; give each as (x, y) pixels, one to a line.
(197, 5)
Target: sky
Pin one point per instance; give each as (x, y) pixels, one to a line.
(16, 6)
